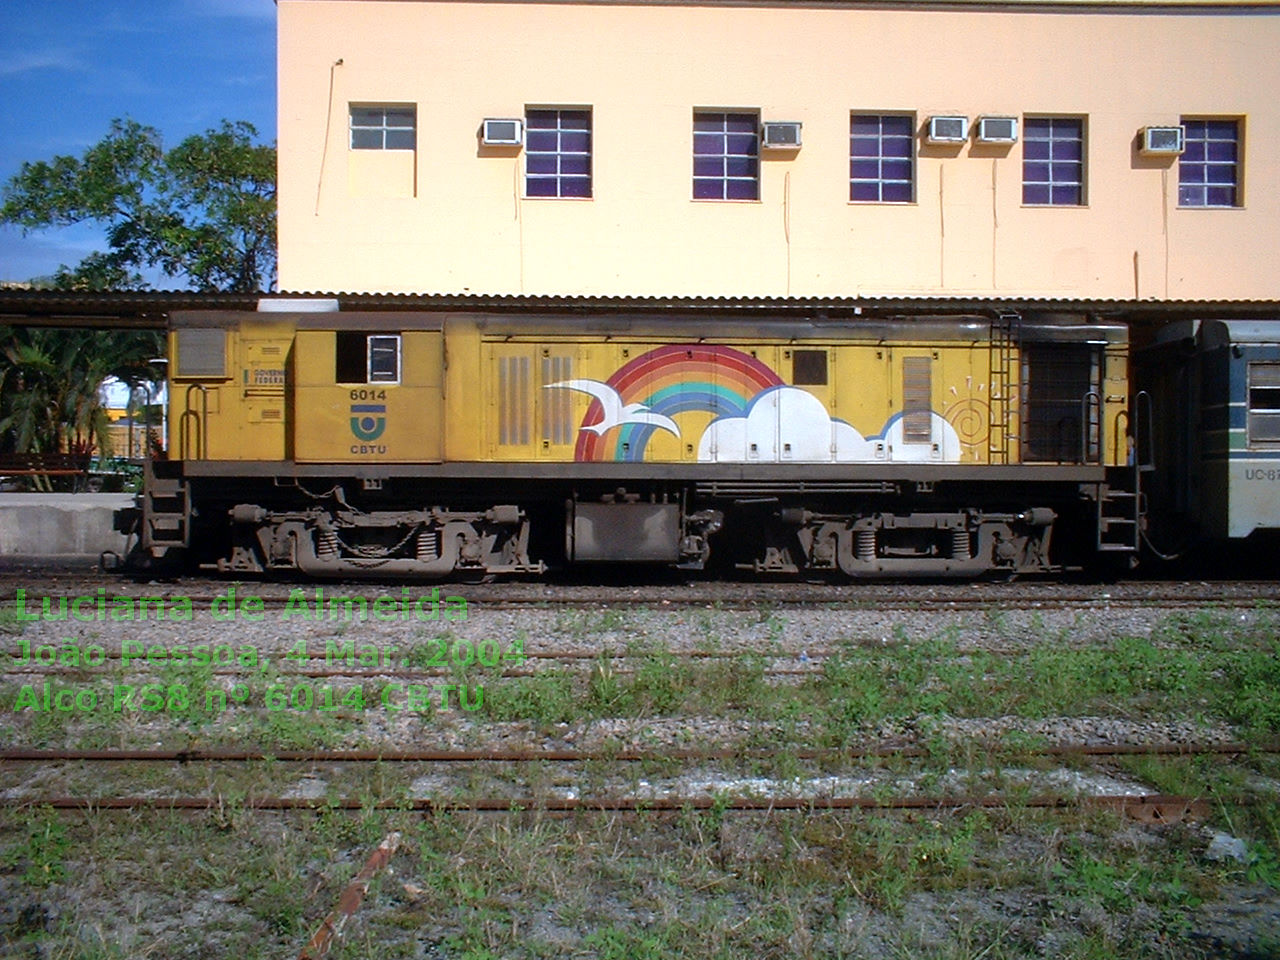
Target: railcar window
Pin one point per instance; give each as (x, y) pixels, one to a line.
(384, 359)
(809, 368)
(366, 358)
(1264, 402)
(350, 357)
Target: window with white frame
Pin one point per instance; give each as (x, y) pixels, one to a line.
(384, 128)
(881, 158)
(726, 156)
(557, 153)
(366, 358)
(1209, 168)
(1053, 161)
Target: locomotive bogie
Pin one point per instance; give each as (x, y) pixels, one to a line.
(961, 544)
(424, 544)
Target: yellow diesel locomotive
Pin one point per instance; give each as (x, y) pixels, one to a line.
(465, 443)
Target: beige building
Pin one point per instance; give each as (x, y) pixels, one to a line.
(1061, 149)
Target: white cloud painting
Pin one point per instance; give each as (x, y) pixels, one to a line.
(788, 424)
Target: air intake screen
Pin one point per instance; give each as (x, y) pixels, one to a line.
(917, 396)
(202, 353)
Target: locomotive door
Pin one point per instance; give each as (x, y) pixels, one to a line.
(913, 433)
(528, 417)
(812, 369)
(737, 416)
(1059, 423)
(367, 396)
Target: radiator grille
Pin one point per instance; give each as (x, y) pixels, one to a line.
(513, 400)
(917, 397)
(557, 405)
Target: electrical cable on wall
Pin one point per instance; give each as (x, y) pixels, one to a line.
(328, 123)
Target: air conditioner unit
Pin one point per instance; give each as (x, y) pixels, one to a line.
(997, 129)
(502, 133)
(781, 136)
(948, 129)
(1163, 141)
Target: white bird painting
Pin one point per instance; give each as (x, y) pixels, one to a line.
(616, 413)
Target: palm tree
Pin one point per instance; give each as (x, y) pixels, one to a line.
(50, 379)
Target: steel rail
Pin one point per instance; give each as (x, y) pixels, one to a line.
(218, 755)
(730, 594)
(1151, 808)
(737, 605)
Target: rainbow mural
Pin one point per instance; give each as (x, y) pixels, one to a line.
(672, 380)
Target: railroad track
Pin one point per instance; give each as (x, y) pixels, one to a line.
(760, 599)
(1146, 808)
(1152, 808)
(727, 595)
(202, 755)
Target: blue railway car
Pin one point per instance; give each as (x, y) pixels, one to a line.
(1215, 410)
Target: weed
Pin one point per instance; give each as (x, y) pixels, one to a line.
(545, 698)
(277, 904)
(615, 943)
(604, 690)
(298, 730)
(43, 849)
(1263, 865)
(9, 622)
(1117, 880)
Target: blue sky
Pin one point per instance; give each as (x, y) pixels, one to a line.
(68, 67)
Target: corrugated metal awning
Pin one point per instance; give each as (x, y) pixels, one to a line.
(150, 309)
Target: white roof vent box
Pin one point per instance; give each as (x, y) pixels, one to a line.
(948, 130)
(781, 135)
(502, 133)
(1162, 141)
(997, 129)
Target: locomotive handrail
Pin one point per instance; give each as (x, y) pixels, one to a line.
(1124, 433)
(1143, 402)
(197, 419)
(1090, 417)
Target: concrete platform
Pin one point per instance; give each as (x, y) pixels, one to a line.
(60, 524)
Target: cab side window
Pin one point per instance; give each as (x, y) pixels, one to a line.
(366, 357)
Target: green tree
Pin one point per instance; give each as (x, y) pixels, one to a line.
(49, 384)
(203, 213)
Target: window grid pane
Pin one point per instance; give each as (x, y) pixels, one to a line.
(1053, 161)
(558, 153)
(1208, 170)
(726, 156)
(881, 162)
(383, 128)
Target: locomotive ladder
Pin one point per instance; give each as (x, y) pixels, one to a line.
(1000, 433)
(1120, 511)
(166, 511)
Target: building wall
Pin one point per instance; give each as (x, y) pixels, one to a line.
(451, 216)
